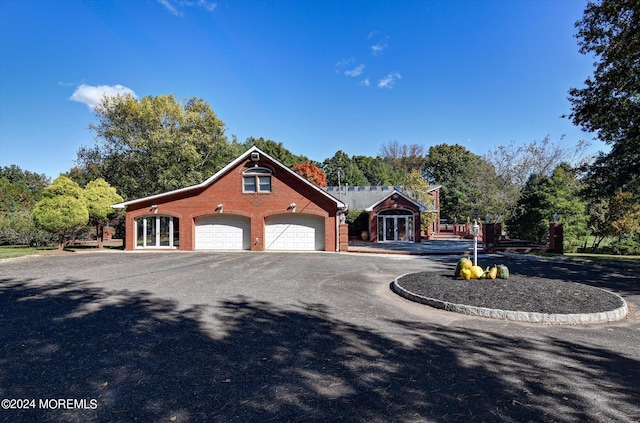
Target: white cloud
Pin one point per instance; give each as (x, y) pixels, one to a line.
(389, 81)
(357, 71)
(343, 63)
(378, 48)
(173, 6)
(91, 95)
(167, 5)
(365, 82)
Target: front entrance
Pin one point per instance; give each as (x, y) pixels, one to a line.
(395, 226)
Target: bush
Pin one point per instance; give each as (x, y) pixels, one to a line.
(358, 221)
(628, 245)
(18, 228)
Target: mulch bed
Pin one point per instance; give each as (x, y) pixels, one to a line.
(518, 293)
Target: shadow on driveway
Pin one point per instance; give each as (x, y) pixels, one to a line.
(144, 359)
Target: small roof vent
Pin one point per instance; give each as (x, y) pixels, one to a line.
(255, 156)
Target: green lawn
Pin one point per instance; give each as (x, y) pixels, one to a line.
(19, 251)
(13, 251)
(603, 257)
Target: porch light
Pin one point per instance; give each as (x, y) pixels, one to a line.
(292, 206)
(154, 208)
(220, 208)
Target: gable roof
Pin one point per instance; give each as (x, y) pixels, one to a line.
(223, 171)
(368, 197)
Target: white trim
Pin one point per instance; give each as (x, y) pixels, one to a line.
(221, 172)
(157, 233)
(395, 191)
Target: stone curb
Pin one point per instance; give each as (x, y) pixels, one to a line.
(517, 316)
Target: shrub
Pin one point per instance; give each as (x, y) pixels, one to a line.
(18, 228)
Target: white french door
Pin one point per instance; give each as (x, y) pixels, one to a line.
(395, 228)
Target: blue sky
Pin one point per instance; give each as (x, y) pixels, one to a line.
(318, 76)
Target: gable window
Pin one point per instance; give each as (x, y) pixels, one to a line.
(257, 179)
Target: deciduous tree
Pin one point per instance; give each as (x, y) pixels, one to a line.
(276, 150)
(311, 172)
(350, 173)
(377, 171)
(542, 197)
(609, 104)
(417, 187)
(155, 144)
(403, 158)
(453, 167)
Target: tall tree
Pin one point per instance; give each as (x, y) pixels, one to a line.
(99, 196)
(403, 158)
(609, 104)
(417, 188)
(15, 174)
(453, 167)
(62, 209)
(276, 150)
(624, 218)
(542, 197)
(377, 171)
(311, 172)
(515, 163)
(155, 144)
(348, 171)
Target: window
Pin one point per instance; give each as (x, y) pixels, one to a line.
(256, 179)
(157, 232)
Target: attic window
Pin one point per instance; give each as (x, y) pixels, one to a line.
(256, 179)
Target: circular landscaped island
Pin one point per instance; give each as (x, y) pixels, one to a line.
(519, 298)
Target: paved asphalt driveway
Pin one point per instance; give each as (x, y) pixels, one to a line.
(188, 337)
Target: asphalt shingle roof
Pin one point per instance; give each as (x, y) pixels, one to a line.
(362, 197)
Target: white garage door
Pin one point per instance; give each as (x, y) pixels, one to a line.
(299, 232)
(223, 232)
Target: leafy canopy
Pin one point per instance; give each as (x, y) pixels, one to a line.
(311, 172)
(100, 196)
(542, 197)
(62, 209)
(609, 104)
(155, 144)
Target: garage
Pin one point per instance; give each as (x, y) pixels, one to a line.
(222, 232)
(294, 232)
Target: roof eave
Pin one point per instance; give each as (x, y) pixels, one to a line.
(221, 172)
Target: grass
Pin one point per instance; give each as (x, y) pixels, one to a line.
(603, 257)
(14, 251)
(595, 257)
(20, 251)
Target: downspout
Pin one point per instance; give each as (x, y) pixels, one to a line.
(337, 232)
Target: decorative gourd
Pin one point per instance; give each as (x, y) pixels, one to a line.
(503, 271)
(463, 263)
(465, 274)
(476, 272)
(493, 273)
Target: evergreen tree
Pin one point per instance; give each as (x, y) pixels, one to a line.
(62, 209)
(99, 196)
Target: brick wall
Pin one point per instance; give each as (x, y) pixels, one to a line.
(227, 190)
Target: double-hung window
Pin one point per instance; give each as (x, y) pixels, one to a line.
(256, 179)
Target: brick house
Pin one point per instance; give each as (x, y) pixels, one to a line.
(392, 215)
(254, 203)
